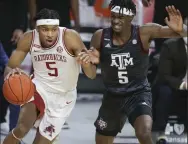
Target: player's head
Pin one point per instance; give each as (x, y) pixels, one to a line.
(122, 13)
(47, 23)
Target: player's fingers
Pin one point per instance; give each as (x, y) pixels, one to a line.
(91, 49)
(83, 56)
(94, 61)
(86, 59)
(166, 20)
(179, 13)
(19, 71)
(81, 53)
(13, 72)
(169, 10)
(174, 10)
(7, 76)
(13, 39)
(16, 39)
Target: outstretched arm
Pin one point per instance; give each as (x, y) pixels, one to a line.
(174, 28)
(95, 46)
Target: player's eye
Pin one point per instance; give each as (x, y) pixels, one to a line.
(44, 30)
(54, 30)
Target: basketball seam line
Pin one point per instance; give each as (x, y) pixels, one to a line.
(12, 90)
(21, 87)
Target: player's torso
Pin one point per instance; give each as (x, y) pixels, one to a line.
(54, 68)
(124, 67)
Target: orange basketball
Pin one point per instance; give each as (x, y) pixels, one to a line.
(18, 89)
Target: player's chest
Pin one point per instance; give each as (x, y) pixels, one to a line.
(56, 54)
(121, 59)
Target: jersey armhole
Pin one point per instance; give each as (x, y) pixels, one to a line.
(141, 44)
(32, 41)
(63, 40)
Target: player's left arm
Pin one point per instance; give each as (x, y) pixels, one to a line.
(174, 28)
(75, 44)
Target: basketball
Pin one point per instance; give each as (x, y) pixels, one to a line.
(18, 89)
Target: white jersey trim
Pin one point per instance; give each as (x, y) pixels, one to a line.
(63, 40)
(32, 40)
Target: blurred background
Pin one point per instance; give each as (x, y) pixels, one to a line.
(167, 67)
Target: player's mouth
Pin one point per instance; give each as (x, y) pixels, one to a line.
(49, 41)
(117, 27)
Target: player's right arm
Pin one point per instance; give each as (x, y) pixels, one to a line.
(23, 47)
(95, 46)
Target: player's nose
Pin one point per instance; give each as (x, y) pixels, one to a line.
(115, 20)
(49, 34)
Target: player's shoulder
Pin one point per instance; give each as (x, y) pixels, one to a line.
(98, 33)
(29, 33)
(70, 32)
(71, 37)
(25, 41)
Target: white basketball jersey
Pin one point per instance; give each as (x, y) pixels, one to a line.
(55, 69)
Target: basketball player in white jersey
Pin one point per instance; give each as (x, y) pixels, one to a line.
(56, 54)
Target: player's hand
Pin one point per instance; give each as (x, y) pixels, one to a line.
(83, 58)
(174, 20)
(16, 36)
(147, 3)
(13, 72)
(94, 55)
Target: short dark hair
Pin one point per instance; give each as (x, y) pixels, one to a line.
(129, 4)
(47, 14)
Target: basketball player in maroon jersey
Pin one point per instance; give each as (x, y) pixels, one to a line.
(123, 55)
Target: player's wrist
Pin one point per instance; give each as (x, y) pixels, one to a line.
(183, 33)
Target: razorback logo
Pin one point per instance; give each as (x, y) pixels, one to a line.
(50, 129)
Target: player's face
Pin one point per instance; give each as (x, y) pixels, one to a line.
(120, 21)
(48, 35)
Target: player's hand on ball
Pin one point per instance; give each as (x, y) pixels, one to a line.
(13, 72)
